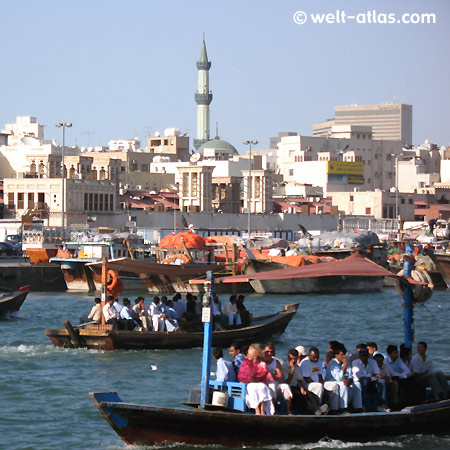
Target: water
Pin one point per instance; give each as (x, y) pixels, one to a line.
(43, 390)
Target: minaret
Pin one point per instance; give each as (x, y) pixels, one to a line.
(203, 98)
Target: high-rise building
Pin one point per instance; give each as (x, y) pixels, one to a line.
(389, 122)
(203, 98)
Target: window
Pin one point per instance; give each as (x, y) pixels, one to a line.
(368, 211)
(31, 200)
(351, 198)
(410, 201)
(86, 206)
(291, 172)
(95, 202)
(111, 202)
(402, 201)
(100, 204)
(20, 200)
(11, 202)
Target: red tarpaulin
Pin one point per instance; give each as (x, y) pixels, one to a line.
(176, 240)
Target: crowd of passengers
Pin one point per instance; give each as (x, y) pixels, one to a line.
(165, 314)
(343, 383)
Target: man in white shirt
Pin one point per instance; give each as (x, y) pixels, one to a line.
(95, 315)
(366, 374)
(422, 368)
(126, 316)
(225, 370)
(157, 316)
(313, 381)
(110, 313)
(338, 370)
(230, 311)
(401, 373)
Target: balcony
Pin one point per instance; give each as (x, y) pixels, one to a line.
(203, 99)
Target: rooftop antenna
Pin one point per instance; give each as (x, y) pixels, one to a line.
(203, 36)
(217, 130)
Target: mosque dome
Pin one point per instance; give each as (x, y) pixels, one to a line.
(218, 145)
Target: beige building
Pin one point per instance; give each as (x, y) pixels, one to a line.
(381, 205)
(171, 145)
(195, 188)
(42, 197)
(226, 194)
(261, 191)
(389, 122)
(306, 160)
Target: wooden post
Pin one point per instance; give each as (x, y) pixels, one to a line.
(188, 253)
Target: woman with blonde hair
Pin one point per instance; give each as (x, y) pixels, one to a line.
(256, 377)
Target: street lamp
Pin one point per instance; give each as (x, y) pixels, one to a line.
(249, 184)
(63, 173)
(396, 156)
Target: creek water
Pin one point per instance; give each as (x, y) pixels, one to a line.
(44, 401)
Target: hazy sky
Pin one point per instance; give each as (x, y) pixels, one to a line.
(115, 67)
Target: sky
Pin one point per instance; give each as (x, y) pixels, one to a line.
(119, 69)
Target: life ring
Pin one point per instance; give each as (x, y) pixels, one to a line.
(114, 280)
(421, 293)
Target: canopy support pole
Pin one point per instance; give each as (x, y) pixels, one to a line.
(408, 297)
(207, 337)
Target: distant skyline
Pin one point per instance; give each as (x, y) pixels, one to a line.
(119, 69)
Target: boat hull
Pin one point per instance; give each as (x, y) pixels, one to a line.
(331, 284)
(146, 425)
(260, 329)
(10, 303)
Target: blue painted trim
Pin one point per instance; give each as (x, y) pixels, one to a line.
(207, 343)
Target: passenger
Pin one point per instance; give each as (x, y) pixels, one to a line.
(372, 348)
(333, 347)
(117, 305)
(225, 370)
(301, 398)
(230, 312)
(198, 307)
(179, 306)
(238, 357)
(141, 314)
(95, 316)
(313, 380)
(256, 377)
(301, 353)
(156, 314)
(242, 310)
(390, 386)
(110, 313)
(401, 373)
(190, 307)
(366, 374)
(171, 321)
(351, 357)
(273, 365)
(422, 368)
(338, 370)
(126, 318)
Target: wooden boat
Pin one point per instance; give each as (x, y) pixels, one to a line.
(12, 301)
(103, 337)
(147, 425)
(352, 274)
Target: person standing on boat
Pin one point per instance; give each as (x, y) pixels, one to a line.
(278, 387)
(301, 398)
(171, 321)
(258, 396)
(225, 370)
(110, 313)
(338, 370)
(422, 368)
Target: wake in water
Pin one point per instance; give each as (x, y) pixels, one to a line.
(32, 351)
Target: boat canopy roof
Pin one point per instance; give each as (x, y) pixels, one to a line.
(144, 267)
(353, 266)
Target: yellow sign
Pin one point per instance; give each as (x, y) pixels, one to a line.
(355, 179)
(345, 167)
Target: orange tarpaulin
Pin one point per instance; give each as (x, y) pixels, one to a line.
(176, 240)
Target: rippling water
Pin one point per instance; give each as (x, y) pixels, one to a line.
(43, 390)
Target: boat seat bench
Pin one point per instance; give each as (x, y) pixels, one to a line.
(236, 393)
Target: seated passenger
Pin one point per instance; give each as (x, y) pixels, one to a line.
(259, 396)
(422, 368)
(372, 348)
(390, 386)
(401, 373)
(225, 370)
(273, 365)
(301, 353)
(238, 357)
(313, 380)
(110, 313)
(231, 313)
(242, 310)
(171, 321)
(338, 370)
(95, 316)
(141, 314)
(366, 374)
(126, 318)
(301, 398)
